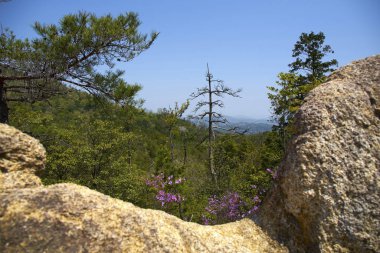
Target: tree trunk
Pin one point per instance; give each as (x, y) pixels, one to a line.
(184, 151)
(180, 210)
(129, 154)
(210, 132)
(171, 144)
(4, 110)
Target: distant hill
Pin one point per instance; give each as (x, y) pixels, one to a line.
(250, 125)
(234, 119)
(242, 124)
(252, 128)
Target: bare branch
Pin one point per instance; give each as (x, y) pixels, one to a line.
(200, 92)
(217, 88)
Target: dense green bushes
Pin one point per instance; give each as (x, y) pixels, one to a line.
(115, 149)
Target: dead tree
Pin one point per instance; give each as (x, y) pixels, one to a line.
(213, 91)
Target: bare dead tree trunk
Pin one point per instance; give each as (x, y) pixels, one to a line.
(210, 131)
(214, 117)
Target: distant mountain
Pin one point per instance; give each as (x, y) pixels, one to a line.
(250, 125)
(234, 119)
(252, 128)
(242, 124)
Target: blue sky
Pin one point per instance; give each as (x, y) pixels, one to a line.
(246, 42)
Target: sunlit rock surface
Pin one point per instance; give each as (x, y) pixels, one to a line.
(72, 218)
(20, 157)
(327, 198)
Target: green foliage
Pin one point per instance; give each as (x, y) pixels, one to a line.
(171, 119)
(78, 44)
(241, 162)
(71, 52)
(309, 52)
(108, 142)
(307, 71)
(114, 149)
(286, 100)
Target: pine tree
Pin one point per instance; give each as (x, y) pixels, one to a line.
(307, 71)
(70, 53)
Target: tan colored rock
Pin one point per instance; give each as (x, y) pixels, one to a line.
(18, 179)
(72, 218)
(19, 151)
(328, 195)
(20, 157)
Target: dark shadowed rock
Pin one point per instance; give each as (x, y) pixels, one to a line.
(327, 198)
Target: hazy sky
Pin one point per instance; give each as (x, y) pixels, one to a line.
(246, 42)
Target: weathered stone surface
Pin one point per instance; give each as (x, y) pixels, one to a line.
(327, 198)
(72, 218)
(19, 151)
(20, 157)
(18, 179)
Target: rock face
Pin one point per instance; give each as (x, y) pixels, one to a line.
(20, 157)
(327, 198)
(72, 218)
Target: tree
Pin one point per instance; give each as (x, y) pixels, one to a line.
(309, 52)
(285, 102)
(185, 138)
(307, 71)
(70, 53)
(171, 118)
(213, 117)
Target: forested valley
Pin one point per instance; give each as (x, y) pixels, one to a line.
(98, 134)
(127, 153)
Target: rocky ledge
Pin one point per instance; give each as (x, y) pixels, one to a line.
(327, 198)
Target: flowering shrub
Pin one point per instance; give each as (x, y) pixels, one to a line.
(166, 188)
(229, 207)
(232, 207)
(273, 173)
